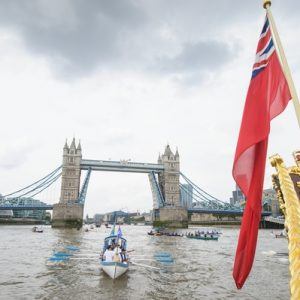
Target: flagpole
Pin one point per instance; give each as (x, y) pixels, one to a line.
(284, 63)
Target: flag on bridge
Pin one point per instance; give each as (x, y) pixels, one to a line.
(267, 97)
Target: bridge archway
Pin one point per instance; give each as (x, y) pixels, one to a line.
(113, 191)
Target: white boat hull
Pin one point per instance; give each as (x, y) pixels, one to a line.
(114, 269)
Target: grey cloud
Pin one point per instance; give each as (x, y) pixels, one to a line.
(204, 56)
(79, 36)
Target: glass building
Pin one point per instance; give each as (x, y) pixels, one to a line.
(31, 214)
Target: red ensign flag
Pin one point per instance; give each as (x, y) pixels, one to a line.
(267, 97)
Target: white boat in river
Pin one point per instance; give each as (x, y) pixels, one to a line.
(114, 269)
(115, 263)
(37, 229)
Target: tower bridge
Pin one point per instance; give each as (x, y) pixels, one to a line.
(172, 199)
(163, 177)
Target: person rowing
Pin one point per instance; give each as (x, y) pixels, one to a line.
(109, 253)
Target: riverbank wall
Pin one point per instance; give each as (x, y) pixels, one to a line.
(21, 221)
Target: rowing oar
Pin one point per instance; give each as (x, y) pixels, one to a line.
(85, 254)
(84, 258)
(149, 259)
(145, 266)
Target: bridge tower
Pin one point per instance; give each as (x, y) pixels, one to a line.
(172, 214)
(169, 179)
(68, 212)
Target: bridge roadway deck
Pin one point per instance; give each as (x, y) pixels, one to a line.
(223, 212)
(275, 220)
(26, 207)
(194, 210)
(120, 166)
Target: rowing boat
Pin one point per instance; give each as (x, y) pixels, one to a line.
(114, 269)
(202, 237)
(114, 264)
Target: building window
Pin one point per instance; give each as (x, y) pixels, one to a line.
(71, 159)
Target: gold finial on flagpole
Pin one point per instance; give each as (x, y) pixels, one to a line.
(267, 3)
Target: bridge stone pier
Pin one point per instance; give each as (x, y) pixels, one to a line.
(163, 176)
(68, 212)
(172, 214)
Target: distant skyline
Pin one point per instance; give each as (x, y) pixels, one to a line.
(128, 77)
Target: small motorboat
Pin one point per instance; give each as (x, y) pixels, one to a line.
(114, 261)
(280, 236)
(37, 229)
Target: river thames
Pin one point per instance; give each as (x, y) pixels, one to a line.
(201, 269)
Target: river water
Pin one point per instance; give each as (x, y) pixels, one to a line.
(202, 269)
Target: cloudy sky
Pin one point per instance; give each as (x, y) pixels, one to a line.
(128, 77)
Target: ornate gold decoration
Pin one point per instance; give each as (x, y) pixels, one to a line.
(276, 187)
(294, 170)
(296, 155)
(292, 219)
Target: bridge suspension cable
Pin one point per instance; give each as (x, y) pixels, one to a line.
(201, 199)
(50, 180)
(193, 195)
(202, 196)
(201, 190)
(47, 185)
(36, 182)
(213, 201)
